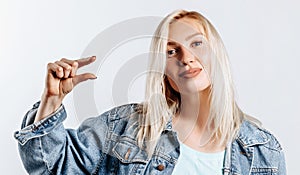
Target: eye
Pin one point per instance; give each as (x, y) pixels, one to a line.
(172, 52)
(196, 43)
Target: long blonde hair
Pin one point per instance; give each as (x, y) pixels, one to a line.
(162, 102)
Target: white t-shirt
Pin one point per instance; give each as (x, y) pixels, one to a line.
(192, 162)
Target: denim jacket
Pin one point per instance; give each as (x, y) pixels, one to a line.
(107, 145)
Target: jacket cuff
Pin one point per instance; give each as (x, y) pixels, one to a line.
(31, 130)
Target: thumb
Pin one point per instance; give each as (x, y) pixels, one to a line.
(83, 77)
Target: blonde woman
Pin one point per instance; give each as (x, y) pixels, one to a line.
(188, 124)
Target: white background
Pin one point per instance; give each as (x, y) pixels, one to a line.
(262, 38)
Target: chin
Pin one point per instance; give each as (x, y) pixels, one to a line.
(192, 91)
(195, 88)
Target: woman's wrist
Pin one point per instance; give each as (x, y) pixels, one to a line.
(47, 106)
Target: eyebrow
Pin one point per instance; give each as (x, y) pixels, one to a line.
(195, 34)
(172, 43)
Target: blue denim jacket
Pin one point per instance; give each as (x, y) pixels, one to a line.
(107, 145)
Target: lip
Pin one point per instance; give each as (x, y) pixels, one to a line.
(191, 73)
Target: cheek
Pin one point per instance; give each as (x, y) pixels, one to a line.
(205, 65)
(205, 80)
(171, 73)
(171, 69)
(173, 84)
(204, 58)
(207, 70)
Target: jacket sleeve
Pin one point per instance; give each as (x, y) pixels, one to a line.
(46, 147)
(282, 164)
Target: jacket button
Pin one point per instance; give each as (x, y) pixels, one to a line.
(160, 167)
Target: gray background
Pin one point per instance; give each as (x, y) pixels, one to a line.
(261, 38)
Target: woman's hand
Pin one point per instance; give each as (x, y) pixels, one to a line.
(60, 80)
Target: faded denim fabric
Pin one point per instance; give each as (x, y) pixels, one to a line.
(107, 145)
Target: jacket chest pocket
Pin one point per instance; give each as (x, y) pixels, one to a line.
(132, 159)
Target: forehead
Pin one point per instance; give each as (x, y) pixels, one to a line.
(181, 29)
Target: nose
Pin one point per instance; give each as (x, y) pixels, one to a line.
(187, 57)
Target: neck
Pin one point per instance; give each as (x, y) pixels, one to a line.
(195, 108)
(191, 120)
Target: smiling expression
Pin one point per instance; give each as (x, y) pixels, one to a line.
(187, 66)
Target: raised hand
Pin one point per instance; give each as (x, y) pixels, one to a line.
(60, 80)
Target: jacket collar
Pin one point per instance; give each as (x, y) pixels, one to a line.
(250, 134)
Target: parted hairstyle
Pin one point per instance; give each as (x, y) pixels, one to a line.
(162, 101)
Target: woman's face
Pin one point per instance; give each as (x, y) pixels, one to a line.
(187, 63)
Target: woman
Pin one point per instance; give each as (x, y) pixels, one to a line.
(188, 124)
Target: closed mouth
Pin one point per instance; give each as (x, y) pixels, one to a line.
(190, 73)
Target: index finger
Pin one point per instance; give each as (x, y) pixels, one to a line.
(85, 61)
